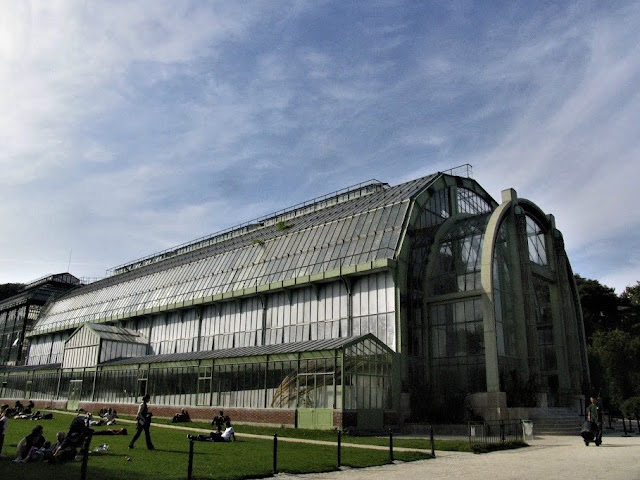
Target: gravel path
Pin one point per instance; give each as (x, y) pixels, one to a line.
(547, 458)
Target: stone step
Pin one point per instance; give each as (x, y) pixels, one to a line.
(557, 422)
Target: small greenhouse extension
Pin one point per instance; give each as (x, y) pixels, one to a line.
(313, 379)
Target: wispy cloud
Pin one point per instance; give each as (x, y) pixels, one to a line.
(132, 126)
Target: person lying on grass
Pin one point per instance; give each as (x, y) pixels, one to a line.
(228, 435)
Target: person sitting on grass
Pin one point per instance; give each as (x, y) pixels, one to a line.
(18, 407)
(220, 420)
(110, 416)
(50, 452)
(29, 444)
(68, 448)
(94, 423)
(182, 416)
(28, 410)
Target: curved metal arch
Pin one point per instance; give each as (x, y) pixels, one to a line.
(419, 202)
(536, 213)
(486, 281)
(443, 231)
(510, 203)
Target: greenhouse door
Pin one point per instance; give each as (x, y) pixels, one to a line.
(75, 391)
(315, 418)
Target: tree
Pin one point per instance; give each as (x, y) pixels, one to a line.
(630, 309)
(631, 408)
(10, 289)
(599, 306)
(615, 360)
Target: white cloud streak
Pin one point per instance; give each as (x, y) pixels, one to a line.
(133, 126)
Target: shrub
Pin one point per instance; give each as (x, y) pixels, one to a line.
(631, 407)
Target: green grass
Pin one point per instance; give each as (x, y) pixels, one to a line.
(331, 436)
(245, 458)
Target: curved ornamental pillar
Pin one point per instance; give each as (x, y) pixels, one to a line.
(486, 280)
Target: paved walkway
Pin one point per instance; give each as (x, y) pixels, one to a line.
(548, 458)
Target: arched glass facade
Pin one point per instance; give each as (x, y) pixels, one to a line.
(446, 334)
(457, 266)
(456, 326)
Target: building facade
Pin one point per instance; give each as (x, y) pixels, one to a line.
(19, 313)
(362, 308)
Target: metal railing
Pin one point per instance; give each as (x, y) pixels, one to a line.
(495, 431)
(464, 170)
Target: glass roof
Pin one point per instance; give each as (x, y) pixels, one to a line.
(367, 341)
(116, 334)
(318, 238)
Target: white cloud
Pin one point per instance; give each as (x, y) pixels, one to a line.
(572, 147)
(131, 126)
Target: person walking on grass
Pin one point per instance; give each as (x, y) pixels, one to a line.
(143, 422)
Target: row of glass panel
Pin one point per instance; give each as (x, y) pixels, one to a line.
(307, 383)
(299, 315)
(237, 269)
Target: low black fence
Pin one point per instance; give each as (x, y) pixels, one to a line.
(201, 438)
(495, 431)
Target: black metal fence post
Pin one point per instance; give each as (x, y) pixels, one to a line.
(85, 457)
(433, 445)
(190, 467)
(275, 453)
(339, 446)
(390, 445)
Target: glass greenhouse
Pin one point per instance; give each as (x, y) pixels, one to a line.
(361, 308)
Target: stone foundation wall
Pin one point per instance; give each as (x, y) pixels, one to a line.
(259, 416)
(266, 416)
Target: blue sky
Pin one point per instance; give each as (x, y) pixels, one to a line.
(130, 127)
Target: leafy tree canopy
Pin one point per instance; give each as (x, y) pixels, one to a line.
(612, 327)
(599, 306)
(630, 309)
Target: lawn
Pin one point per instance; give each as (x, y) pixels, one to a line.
(245, 458)
(331, 436)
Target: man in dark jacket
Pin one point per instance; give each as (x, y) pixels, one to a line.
(143, 421)
(594, 414)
